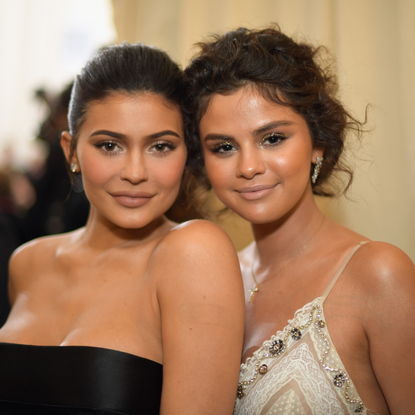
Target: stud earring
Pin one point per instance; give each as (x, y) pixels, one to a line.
(317, 167)
(74, 167)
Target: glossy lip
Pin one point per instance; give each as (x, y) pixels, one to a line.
(256, 191)
(132, 199)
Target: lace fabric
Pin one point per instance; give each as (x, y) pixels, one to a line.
(299, 373)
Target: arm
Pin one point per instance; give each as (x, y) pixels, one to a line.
(389, 325)
(202, 319)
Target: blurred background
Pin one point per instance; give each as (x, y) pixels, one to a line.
(44, 44)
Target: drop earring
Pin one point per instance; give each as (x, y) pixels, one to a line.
(74, 167)
(317, 167)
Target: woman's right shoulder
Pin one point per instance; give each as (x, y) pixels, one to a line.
(34, 254)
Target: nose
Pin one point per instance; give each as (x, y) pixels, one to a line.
(134, 169)
(250, 163)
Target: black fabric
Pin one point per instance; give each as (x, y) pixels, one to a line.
(77, 380)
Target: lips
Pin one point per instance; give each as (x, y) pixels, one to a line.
(256, 192)
(132, 199)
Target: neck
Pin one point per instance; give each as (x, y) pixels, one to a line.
(101, 234)
(281, 240)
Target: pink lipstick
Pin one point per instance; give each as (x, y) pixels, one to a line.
(132, 199)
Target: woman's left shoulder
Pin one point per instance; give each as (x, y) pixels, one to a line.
(199, 235)
(383, 258)
(382, 267)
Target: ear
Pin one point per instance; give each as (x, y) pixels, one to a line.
(317, 152)
(66, 140)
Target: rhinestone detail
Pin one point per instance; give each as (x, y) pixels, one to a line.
(295, 334)
(263, 369)
(240, 394)
(339, 380)
(278, 347)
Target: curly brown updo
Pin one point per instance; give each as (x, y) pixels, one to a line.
(284, 72)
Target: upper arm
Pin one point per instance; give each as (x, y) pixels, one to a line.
(22, 264)
(17, 264)
(202, 320)
(390, 326)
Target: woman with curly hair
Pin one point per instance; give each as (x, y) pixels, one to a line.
(327, 311)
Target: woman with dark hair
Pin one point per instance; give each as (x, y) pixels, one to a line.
(272, 131)
(132, 314)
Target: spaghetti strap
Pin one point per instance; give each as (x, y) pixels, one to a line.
(339, 271)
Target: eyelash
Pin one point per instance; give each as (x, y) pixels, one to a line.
(165, 144)
(220, 148)
(278, 136)
(102, 145)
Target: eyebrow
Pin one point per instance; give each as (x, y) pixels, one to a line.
(123, 136)
(271, 125)
(258, 131)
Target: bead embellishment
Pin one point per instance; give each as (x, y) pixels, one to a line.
(339, 380)
(321, 324)
(263, 369)
(278, 347)
(240, 394)
(295, 334)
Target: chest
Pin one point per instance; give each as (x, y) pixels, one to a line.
(103, 302)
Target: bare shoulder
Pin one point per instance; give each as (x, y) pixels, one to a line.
(28, 260)
(33, 251)
(199, 252)
(384, 275)
(196, 236)
(383, 261)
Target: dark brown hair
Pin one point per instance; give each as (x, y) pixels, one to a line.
(130, 69)
(283, 71)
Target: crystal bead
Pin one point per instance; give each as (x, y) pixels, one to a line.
(240, 394)
(359, 410)
(339, 380)
(321, 324)
(295, 334)
(263, 369)
(277, 347)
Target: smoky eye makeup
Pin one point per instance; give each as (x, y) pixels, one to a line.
(273, 139)
(108, 146)
(162, 147)
(222, 148)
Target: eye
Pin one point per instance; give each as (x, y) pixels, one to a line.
(223, 148)
(162, 147)
(273, 138)
(108, 146)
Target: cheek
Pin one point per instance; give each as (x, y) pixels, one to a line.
(169, 172)
(219, 171)
(95, 171)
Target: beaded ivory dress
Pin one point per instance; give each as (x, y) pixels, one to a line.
(298, 371)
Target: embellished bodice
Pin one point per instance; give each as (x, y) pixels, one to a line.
(298, 371)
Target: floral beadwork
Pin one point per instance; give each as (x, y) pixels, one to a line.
(279, 344)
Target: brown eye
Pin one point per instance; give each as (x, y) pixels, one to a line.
(108, 146)
(273, 138)
(162, 147)
(223, 148)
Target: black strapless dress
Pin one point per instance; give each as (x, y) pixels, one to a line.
(81, 380)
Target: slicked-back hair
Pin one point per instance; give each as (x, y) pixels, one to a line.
(131, 69)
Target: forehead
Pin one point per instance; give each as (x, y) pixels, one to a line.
(126, 112)
(245, 108)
